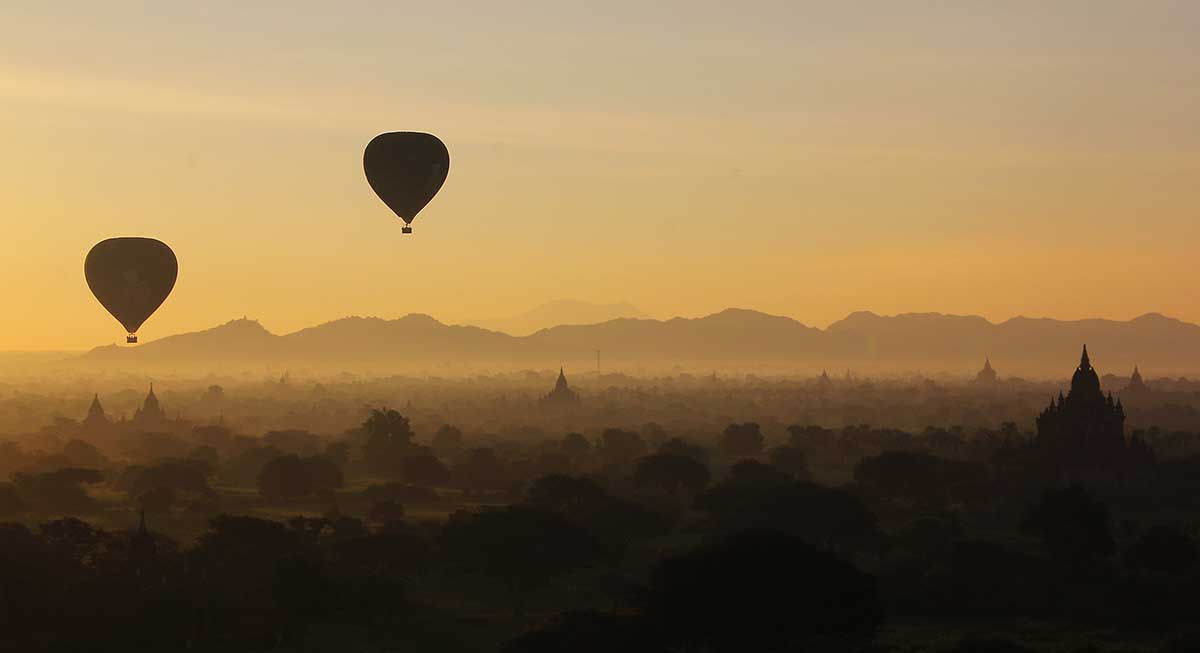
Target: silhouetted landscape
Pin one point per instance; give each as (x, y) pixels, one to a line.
(777, 326)
(601, 511)
(735, 339)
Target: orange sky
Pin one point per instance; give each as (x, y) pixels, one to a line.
(805, 159)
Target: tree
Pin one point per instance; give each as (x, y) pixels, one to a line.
(619, 447)
(157, 500)
(827, 518)
(761, 591)
(549, 462)
(338, 453)
(178, 475)
(479, 469)
(215, 394)
(84, 454)
(300, 588)
(423, 468)
(751, 473)
(323, 474)
(1164, 548)
(389, 438)
(741, 440)
(565, 494)
(292, 477)
(72, 538)
(74, 476)
(684, 448)
(913, 475)
(213, 435)
(654, 434)
(447, 442)
(11, 502)
(986, 579)
(60, 491)
(791, 459)
(575, 446)
(246, 466)
(671, 472)
(613, 521)
(146, 447)
(386, 511)
(238, 552)
(206, 454)
(585, 632)
(1073, 526)
(520, 546)
(387, 431)
(295, 441)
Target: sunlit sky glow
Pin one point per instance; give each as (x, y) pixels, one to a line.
(805, 159)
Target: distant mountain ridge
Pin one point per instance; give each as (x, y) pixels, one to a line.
(733, 337)
(558, 313)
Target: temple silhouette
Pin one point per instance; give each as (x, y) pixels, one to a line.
(143, 552)
(151, 414)
(1081, 437)
(987, 375)
(562, 396)
(96, 420)
(1137, 387)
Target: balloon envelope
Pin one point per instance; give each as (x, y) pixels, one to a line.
(406, 169)
(131, 277)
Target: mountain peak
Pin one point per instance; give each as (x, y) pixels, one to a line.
(419, 318)
(559, 312)
(744, 314)
(241, 324)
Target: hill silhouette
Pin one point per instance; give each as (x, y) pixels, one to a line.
(739, 338)
(559, 312)
(1028, 345)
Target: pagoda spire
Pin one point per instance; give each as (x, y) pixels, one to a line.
(1084, 362)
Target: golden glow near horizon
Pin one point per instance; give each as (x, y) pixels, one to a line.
(804, 159)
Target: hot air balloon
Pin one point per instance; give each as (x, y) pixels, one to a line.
(406, 169)
(131, 278)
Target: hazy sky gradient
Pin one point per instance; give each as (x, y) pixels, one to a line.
(806, 159)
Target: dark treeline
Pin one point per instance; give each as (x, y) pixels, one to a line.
(853, 538)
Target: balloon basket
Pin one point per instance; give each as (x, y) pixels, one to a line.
(131, 339)
(406, 230)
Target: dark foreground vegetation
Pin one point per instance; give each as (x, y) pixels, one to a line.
(632, 539)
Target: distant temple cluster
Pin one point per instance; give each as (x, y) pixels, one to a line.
(150, 417)
(562, 396)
